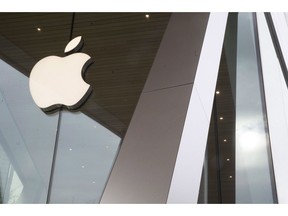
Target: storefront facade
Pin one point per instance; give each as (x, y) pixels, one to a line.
(184, 108)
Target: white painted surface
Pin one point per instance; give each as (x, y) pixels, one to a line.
(281, 28)
(56, 80)
(73, 44)
(276, 99)
(188, 169)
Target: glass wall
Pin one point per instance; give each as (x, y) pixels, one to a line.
(238, 167)
(85, 156)
(27, 138)
(82, 161)
(253, 166)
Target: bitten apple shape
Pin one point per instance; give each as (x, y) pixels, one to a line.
(56, 81)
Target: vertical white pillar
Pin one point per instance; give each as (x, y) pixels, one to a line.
(187, 173)
(276, 94)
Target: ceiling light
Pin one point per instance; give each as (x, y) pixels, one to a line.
(225, 140)
(217, 92)
(227, 159)
(38, 29)
(70, 149)
(221, 118)
(147, 16)
(230, 177)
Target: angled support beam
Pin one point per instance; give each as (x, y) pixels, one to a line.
(187, 173)
(145, 164)
(274, 56)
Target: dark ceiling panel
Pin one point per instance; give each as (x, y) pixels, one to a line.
(122, 46)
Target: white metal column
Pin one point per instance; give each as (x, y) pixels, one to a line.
(187, 173)
(276, 94)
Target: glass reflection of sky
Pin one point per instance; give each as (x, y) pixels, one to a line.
(253, 184)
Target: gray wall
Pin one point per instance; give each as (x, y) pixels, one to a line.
(144, 167)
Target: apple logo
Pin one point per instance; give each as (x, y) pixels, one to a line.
(58, 81)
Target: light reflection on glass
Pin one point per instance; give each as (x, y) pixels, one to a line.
(253, 177)
(80, 175)
(237, 167)
(27, 138)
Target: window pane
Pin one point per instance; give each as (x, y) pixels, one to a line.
(27, 138)
(253, 176)
(85, 156)
(238, 166)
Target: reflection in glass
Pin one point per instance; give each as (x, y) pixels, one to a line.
(242, 171)
(253, 179)
(85, 156)
(27, 138)
(16, 187)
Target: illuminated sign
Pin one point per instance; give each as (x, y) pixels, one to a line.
(58, 81)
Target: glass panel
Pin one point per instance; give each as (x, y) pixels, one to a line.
(16, 187)
(27, 138)
(85, 156)
(253, 178)
(238, 157)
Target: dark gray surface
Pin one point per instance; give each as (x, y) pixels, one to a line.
(177, 58)
(145, 163)
(144, 167)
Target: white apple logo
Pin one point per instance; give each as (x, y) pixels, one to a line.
(56, 81)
